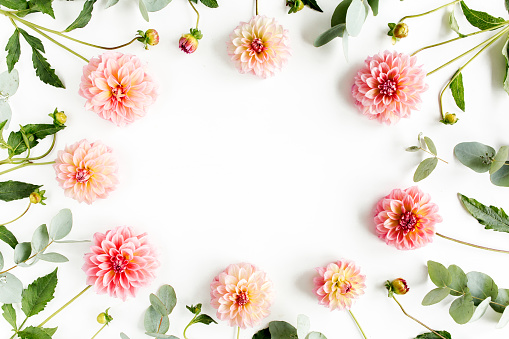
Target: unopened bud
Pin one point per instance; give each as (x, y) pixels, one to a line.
(61, 117)
(35, 198)
(401, 30)
(399, 286)
(152, 37)
(104, 317)
(295, 5)
(449, 119)
(188, 43)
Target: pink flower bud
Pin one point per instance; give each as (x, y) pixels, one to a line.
(188, 43)
(152, 37)
(399, 286)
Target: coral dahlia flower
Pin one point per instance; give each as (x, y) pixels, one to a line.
(339, 284)
(117, 88)
(259, 46)
(389, 86)
(120, 262)
(86, 171)
(406, 218)
(242, 295)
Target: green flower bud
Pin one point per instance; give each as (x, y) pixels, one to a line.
(295, 5)
(35, 198)
(449, 119)
(152, 37)
(401, 30)
(104, 317)
(399, 286)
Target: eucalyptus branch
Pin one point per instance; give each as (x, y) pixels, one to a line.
(434, 155)
(31, 257)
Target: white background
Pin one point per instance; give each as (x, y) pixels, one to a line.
(283, 173)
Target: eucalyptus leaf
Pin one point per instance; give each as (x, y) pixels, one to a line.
(40, 238)
(480, 310)
(61, 224)
(431, 145)
(453, 23)
(374, 6)
(159, 335)
(491, 217)
(475, 155)
(143, 10)
(110, 3)
(262, 334)
(5, 112)
(316, 335)
(168, 297)
(329, 35)
(504, 319)
(458, 91)
(282, 330)
(435, 296)
(1, 261)
(502, 299)
(52, 257)
(412, 149)
(122, 334)
(9, 83)
(155, 5)
(438, 274)
(481, 286)
(303, 325)
(10, 289)
(22, 252)
(154, 322)
(500, 159)
(158, 305)
(501, 177)
(339, 15)
(355, 17)
(506, 56)
(345, 44)
(458, 282)
(462, 309)
(425, 168)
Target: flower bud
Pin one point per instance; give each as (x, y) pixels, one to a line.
(295, 5)
(401, 30)
(104, 317)
(152, 37)
(188, 43)
(399, 286)
(35, 198)
(449, 119)
(59, 117)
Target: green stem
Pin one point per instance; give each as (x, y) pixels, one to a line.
(31, 257)
(472, 245)
(425, 150)
(256, 7)
(22, 214)
(19, 328)
(358, 325)
(95, 335)
(429, 12)
(197, 14)
(185, 329)
(460, 37)
(66, 304)
(26, 164)
(408, 315)
(238, 332)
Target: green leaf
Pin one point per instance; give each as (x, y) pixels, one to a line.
(32, 332)
(491, 217)
(431, 335)
(500, 159)
(34, 42)
(262, 334)
(412, 149)
(44, 71)
(160, 335)
(158, 305)
(40, 131)
(143, 10)
(339, 15)
(84, 17)
(374, 6)
(7, 237)
(43, 6)
(459, 281)
(462, 309)
(438, 274)
(458, 92)
(154, 322)
(52, 257)
(210, 3)
(481, 286)
(425, 168)
(5, 112)
(22, 252)
(109, 4)
(15, 4)
(1, 261)
(502, 299)
(355, 17)
(454, 25)
(203, 319)
(155, 5)
(313, 5)
(435, 296)
(40, 238)
(431, 145)
(475, 155)
(282, 330)
(9, 314)
(38, 294)
(122, 334)
(480, 310)
(303, 325)
(504, 320)
(15, 190)
(61, 224)
(50, 331)
(194, 309)
(505, 54)
(315, 335)
(13, 49)
(329, 35)
(479, 19)
(501, 177)
(10, 289)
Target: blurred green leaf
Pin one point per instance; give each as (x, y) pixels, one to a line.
(480, 310)
(355, 17)
(329, 35)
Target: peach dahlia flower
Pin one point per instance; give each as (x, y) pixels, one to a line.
(242, 295)
(86, 171)
(406, 218)
(117, 88)
(259, 46)
(389, 86)
(120, 262)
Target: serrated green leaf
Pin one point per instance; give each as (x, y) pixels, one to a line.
(22, 252)
(501, 177)
(355, 17)
(155, 5)
(61, 224)
(438, 274)
(329, 35)
(9, 314)
(491, 217)
(53, 257)
(194, 309)
(16, 144)
(480, 310)
(504, 319)
(43, 6)
(500, 159)
(38, 294)
(143, 10)
(32, 332)
(313, 5)
(431, 145)
(34, 42)
(431, 335)
(435, 296)
(502, 299)
(459, 280)
(458, 92)
(15, 4)
(425, 168)
(15, 190)
(475, 155)
(10, 289)
(481, 286)
(210, 3)
(84, 17)
(262, 334)
(479, 19)
(40, 238)
(44, 71)
(7, 237)
(40, 131)
(462, 309)
(13, 50)
(203, 319)
(282, 330)
(50, 331)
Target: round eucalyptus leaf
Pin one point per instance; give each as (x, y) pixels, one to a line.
(329, 35)
(109, 4)
(154, 322)
(425, 168)
(316, 335)
(303, 325)
(9, 82)
(5, 112)
(431, 145)
(355, 17)
(282, 330)
(412, 149)
(480, 310)
(159, 335)
(10, 289)
(481, 286)
(438, 274)
(40, 239)
(168, 297)
(61, 224)
(435, 296)
(501, 177)
(459, 281)
(52, 257)
(143, 10)
(462, 309)
(155, 5)
(498, 161)
(504, 319)
(158, 305)
(22, 252)
(502, 299)
(475, 155)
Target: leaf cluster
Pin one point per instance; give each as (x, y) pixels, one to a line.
(284, 330)
(483, 158)
(475, 292)
(156, 319)
(426, 166)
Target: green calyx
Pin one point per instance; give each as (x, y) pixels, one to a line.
(196, 33)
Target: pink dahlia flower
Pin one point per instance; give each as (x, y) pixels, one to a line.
(120, 262)
(389, 86)
(339, 284)
(242, 295)
(406, 218)
(259, 46)
(86, 171)
(117, 88)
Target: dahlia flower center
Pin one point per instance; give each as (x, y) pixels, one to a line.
(82, 175)
(118, 92)
(257, 45)
(388, 88)
(242, 299)
(407, 222)
(344, 286)
(119, 263)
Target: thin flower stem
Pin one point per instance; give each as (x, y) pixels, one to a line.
(460, 37)
(22, 214)
(491, 302)
(408, 315)
(357, 323)
(31, 257)
(26, 164)
(422, 149)
(238, 332)
(472, 245)
(19, 328)
(256, 7)
(95, 335)
(185, 329)
(197, 14)
(66, 304)
(429, 12)
(21, 160)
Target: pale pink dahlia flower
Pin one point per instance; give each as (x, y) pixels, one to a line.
(406, 218)
(259, 46)
(120, 263)
(389, 86)
(117, 88)
(86, 171)
(242, 295)
(339, 284)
